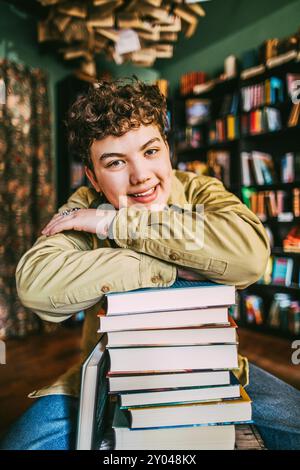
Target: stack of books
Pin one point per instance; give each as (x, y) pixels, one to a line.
(171, 352)
(189, 80)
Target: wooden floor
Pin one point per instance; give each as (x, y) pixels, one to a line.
(38, 360)
(31, 364)
(271, 353)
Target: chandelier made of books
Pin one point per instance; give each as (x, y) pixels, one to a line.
(125, 30)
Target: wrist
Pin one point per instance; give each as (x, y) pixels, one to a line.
(110, 226)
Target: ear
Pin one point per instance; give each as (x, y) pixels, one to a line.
(90, 175)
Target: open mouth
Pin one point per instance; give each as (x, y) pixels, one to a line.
(145, 196)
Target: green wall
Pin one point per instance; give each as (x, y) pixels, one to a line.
(127, 70)
(230, 27)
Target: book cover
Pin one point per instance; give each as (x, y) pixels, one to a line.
(163, 380)
(93, 397)
(282, 271)
(197, 111)
(180, 395)
(181, 295)
(166, 358)
(205, 334)
(163, 319)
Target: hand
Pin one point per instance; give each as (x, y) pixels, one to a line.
(86, 220)
(189, 275)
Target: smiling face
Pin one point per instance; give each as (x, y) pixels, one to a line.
(134, 168)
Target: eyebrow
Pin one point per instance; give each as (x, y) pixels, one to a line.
(104, 156)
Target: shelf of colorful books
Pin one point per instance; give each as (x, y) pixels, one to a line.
(270, 312)
(271, 126)
(257, 111)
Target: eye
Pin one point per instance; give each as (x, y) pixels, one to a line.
(151, 152)
(114, 164)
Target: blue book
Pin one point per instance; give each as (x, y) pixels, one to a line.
(182, 295)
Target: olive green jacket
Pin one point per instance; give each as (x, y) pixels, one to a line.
(70, 271)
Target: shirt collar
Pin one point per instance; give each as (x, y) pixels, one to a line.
(177, 196)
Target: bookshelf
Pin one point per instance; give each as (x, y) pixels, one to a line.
(273, 304)
(70, 173)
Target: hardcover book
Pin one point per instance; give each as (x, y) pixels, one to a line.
(182, 395)
(187, 378)
(200, 295)
(165, 319)
(225, 411)
(205, 334)
(167, 358)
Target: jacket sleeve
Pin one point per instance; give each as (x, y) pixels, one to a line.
(217, 235)
(62, 274)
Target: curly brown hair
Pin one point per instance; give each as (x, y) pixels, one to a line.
(113, 108)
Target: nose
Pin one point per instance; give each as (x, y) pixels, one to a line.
(139, 174)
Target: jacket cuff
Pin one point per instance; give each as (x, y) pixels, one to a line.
(128, 227)
(156, 273)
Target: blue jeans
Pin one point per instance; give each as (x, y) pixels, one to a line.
(50, 423)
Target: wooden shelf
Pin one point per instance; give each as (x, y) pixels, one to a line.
(287, 254)
(278, 104)
(224, 143)
(272, 220)
(264, 328)
(209, 146)
(293, 288)
(191, 150)
(264, 187)
(278, 133)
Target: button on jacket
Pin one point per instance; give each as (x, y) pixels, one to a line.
(72, 270)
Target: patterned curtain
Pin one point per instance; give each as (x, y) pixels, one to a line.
(27, 199)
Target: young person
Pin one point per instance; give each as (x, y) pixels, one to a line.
(141, 224)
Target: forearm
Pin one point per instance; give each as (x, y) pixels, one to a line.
(57, 277)
(229, 246)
